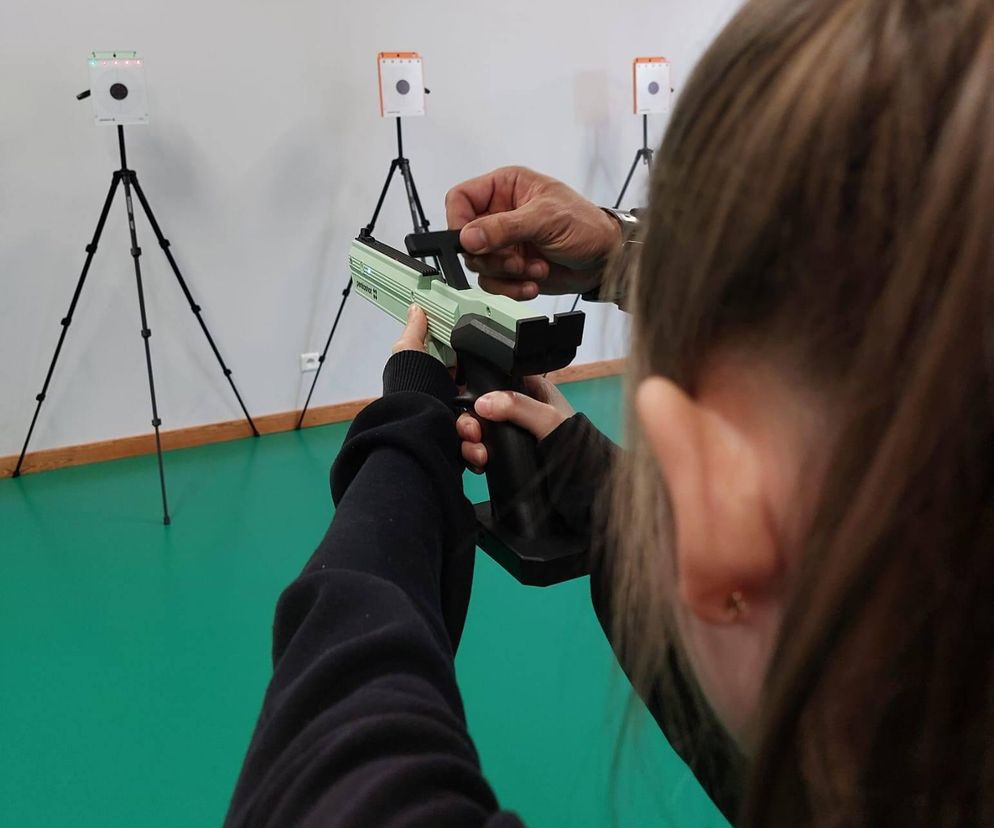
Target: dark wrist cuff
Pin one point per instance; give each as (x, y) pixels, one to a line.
(417, 371)
(576, 460)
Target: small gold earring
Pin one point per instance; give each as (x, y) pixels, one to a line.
(736, 605)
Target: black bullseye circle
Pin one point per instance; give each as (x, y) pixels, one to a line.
(653, 88)
(118, 91)
(403, 86)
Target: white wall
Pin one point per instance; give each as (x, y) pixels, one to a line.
(264, 157)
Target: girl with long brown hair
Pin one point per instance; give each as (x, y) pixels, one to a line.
(797, 565)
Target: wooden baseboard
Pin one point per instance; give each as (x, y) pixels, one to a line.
(201, 435)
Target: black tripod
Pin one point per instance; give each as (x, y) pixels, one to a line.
(644, 154)
(130, 179)
(420, 226)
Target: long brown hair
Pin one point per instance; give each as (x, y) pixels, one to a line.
(824, 197)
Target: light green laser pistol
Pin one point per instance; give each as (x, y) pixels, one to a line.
(495, 342)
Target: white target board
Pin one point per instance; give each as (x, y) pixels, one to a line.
(402, 85)
(117, 86)
(651, 85)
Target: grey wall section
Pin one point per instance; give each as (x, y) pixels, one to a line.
(263, 158)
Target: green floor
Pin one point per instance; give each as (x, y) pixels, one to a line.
(133, 657)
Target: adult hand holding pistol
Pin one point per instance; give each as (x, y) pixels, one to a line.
(525, 233)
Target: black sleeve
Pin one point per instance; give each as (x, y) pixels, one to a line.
(362, 723)
(576, 460)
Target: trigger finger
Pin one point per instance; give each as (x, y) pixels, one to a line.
(468, 428)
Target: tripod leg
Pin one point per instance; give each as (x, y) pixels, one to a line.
(164, 244)
(400, 163)
(368, 229)
(146, 335)
(631, 172)
(91, 248)
(418, 216)
(413, 200)
(324, 353)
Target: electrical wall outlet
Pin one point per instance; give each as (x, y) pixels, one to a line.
(309, 362)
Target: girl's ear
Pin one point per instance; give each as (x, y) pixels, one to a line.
(727, 553)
